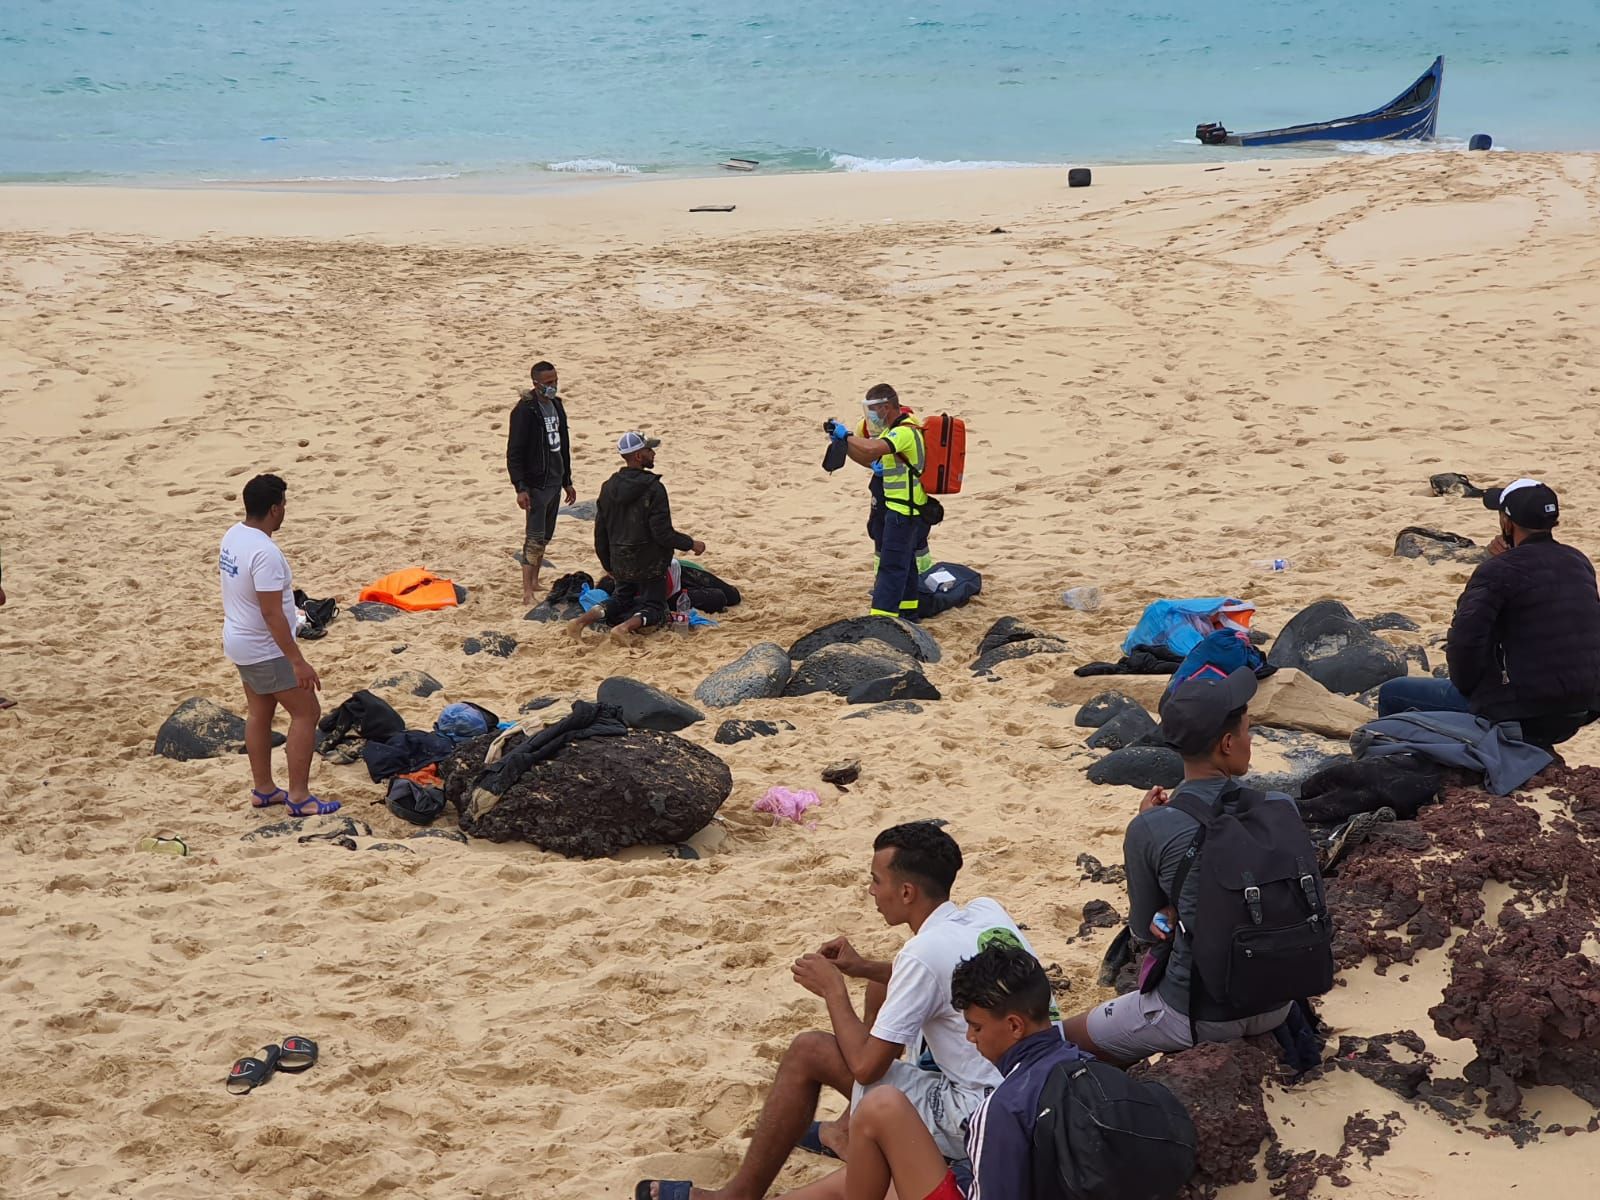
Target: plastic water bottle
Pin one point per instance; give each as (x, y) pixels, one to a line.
(1084, 599)
(1271, 564)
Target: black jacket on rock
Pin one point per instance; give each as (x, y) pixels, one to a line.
(1525, 641)
(529, 460)
(633, 534)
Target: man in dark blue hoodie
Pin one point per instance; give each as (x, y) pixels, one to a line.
(1005, 997)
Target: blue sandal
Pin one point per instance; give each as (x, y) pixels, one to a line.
(311, 807)
(666, 1189)
(268, 799)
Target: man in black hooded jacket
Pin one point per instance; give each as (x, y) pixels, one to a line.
(1525, 642)
(634, 540)
(539, 461)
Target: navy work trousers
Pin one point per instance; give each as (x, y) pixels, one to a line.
(894, 591)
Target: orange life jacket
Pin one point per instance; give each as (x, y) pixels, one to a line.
(415, 589)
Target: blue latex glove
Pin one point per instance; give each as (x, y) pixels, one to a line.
(838, 430)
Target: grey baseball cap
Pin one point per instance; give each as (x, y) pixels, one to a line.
(1193, 716)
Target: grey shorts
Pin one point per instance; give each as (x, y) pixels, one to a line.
(270, 677)
(1136, 1025)
(541, 523)
(944, 1108)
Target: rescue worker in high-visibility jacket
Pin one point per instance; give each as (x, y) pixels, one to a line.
(869, 427)
(901, 453)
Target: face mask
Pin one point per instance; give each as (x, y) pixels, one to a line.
(875, 424)
(548, 391)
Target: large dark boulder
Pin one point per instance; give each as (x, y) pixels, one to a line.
(1139, 766)
(646, 707)
(1130, 727)
(1330, 645)
(198, 728)
(893, 632)
(1222, 1086)
(909, 685)
(839, 667)
(595, 797)
(760, 673)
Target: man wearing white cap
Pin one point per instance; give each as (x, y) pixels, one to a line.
(634, 540)
(1524, 645)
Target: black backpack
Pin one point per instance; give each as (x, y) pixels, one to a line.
(1103, 1136)
(1261, 935)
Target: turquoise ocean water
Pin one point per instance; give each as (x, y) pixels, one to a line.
(492, 90)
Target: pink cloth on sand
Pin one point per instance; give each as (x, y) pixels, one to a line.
(784, 802)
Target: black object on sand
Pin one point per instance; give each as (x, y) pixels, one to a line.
(1078, 177)
(712, 208)
(1480, 141)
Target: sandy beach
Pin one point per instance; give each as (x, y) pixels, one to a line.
(1165, 376)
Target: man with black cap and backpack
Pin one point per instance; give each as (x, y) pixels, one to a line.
(1524, 645)
(1222, 887)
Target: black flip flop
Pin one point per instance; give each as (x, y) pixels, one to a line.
(250, 1073)
(298, 1054)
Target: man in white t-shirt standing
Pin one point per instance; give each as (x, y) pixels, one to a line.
(258, 626)
(908, 1007)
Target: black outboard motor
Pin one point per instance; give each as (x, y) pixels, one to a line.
(1210, 134)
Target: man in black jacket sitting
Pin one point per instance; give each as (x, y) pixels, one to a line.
(634, 540)
(1525, 642)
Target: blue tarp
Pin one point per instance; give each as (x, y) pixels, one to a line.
(1179, 625)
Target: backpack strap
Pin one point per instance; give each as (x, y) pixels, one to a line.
(1203, 815)
(912, 474)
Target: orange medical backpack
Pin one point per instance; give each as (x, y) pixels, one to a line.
(945, 445)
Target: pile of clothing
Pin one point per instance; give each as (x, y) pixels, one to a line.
(368, 728)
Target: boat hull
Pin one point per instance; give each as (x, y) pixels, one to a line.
(1413, 115)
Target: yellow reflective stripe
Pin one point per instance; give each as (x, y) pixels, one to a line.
(878, 612)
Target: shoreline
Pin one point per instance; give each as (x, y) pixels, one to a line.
(540, 180)
(608, 210)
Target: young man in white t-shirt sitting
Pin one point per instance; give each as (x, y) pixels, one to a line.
(258, 626)
(908, 1008)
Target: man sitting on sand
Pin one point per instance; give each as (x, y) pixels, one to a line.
(1207, 719)
(634, 540)
(1524, 645)
(1004, 997)
(258, 621)
(907, 1006)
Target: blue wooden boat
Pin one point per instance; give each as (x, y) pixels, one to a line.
(1410, 116)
